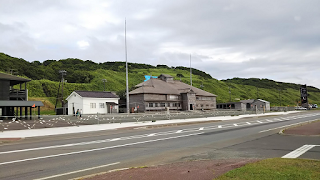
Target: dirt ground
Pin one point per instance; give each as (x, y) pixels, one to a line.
(189, 170)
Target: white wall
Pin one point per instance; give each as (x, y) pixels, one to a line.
(74, 101)
(88, 110)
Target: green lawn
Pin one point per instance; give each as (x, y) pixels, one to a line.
(276, 169)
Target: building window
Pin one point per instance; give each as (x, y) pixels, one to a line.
(92, 105)
(150, 104)
(162, 104)
(176, 105)
(101, 105)
(156, 105)
(201, 105)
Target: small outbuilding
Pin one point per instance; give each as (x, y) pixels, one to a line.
(93, 102)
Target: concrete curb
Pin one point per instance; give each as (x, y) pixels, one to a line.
(297, 125)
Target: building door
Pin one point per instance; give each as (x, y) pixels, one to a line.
(191, 107)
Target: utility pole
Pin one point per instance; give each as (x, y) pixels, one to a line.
(190, 72)
(127, 81)
(104, 84)
(63, 73)
(279, 96)
(229, 93)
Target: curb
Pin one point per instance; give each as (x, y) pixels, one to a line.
(301, 124)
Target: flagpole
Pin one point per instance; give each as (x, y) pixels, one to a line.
(190, 72)
(127, 81)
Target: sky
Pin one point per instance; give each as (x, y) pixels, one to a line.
(278, 40)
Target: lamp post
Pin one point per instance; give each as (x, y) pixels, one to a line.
(104, 84)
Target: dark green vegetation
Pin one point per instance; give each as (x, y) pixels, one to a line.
(277, 168)
(88, 75)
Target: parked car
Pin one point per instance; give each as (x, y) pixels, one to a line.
(315, 106)
(300, 108)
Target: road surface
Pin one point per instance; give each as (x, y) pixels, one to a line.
(75, 155)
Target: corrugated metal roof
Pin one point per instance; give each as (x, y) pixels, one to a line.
(158, 86)
(97, 94)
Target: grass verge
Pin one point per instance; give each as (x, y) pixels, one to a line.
(276, 168)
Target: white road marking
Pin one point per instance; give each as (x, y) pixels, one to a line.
(201, 129)
(134, 137)
(97, 149)
(73, 172)
(259, 122)
(235, 124)
(151, 134)
(298, 152)
(285, 126)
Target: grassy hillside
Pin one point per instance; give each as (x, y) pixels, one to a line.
(87, 75)
(116, 82)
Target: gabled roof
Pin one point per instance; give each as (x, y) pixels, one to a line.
(13, 79)
(96, 94)
(158, 86)
(248, 101)
(263, 100)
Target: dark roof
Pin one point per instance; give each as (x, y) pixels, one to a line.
(97, 94)
(158, 86)
(13, 79)
(20, 103)
(165, 75)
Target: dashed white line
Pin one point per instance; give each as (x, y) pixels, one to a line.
(73, 172)
(97, 149)
(179, 131)
(151, 134)
(115, 139)
(235, 124)
(259, 122)
(248, 123)
(219, 126)
(201, 129)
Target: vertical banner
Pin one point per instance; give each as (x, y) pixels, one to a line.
(304, 94)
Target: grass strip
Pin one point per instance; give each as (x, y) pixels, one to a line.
(276, 169)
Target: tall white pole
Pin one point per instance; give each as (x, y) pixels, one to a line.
(127, 81)
(190, 72)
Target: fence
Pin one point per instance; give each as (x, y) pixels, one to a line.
(47, 121)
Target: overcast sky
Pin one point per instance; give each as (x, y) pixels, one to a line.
(278, 40)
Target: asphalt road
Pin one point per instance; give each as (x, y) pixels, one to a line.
(75, 155)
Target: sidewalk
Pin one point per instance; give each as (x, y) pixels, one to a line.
(307, 129)
(26, 133)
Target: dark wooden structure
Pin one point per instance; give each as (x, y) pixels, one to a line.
(14, 102)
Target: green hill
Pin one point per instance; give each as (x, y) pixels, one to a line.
(88, 75)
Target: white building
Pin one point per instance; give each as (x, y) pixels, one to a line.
(92, 102)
